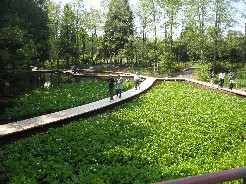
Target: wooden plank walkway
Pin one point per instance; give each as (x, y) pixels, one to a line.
(40, 121)
(23, 125)
(215, 87)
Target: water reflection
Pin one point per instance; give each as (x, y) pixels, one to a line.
(12, 86)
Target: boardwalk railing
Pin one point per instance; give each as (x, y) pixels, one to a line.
(223, 176)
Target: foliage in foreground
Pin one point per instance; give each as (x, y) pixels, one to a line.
(175, 130)
(43, 101)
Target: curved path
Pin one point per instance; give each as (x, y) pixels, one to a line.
(44, 120)
(40, 121)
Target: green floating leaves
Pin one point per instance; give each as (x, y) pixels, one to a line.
(43, 101)
(175, 130)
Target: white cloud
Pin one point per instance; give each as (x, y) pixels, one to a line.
(94, 4)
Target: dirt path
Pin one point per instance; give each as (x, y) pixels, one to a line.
(187, 73)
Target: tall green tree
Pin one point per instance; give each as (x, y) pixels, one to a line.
(82, 46)
(194, 29)
(54, 13)
(171, 11)
(221, 19)
(231, 48)
(118, 26)
(244, 54)
(94, 22)
(145, 16)
(24, 34)
(68, 36)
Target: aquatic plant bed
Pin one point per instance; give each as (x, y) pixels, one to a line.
(44, 101)
(175, 130)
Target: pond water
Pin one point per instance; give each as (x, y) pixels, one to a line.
(13, 86)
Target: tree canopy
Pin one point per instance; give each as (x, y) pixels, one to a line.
(118, 26)
(24, 33)
(166, 32)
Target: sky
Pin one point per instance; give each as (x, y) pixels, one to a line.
(91, 3)
(87, 3)
(96, 4)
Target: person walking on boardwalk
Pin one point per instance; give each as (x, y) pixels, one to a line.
(223, 79)
(212, 78)
(119, 86)
(220, 85)
(137, 79)
(111, 86)
(231, 79)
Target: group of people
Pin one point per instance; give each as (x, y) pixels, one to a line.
(119, 86)
(222, 80)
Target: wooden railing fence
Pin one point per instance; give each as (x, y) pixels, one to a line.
(216, 177)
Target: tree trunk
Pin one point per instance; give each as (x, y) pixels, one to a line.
(143, 49)
(165, 33)
(171, 33)
(216, 35)
(244, 57)
(202, 32)
(156, 57)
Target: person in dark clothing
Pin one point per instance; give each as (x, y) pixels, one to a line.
(111, 86)
(231, 79)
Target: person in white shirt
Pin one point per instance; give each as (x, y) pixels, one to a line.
(212, 75)
(223, 79)
(137, 79)
(220, 80)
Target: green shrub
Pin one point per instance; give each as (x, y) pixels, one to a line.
(204, 72)
(177, 67)
(166, 62)
(241, 77)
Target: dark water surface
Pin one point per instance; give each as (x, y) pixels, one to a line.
(12, 86)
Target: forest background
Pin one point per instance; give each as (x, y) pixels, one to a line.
(163, 36)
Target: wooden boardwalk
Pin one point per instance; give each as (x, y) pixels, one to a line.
(41, 121)
(215, 87)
